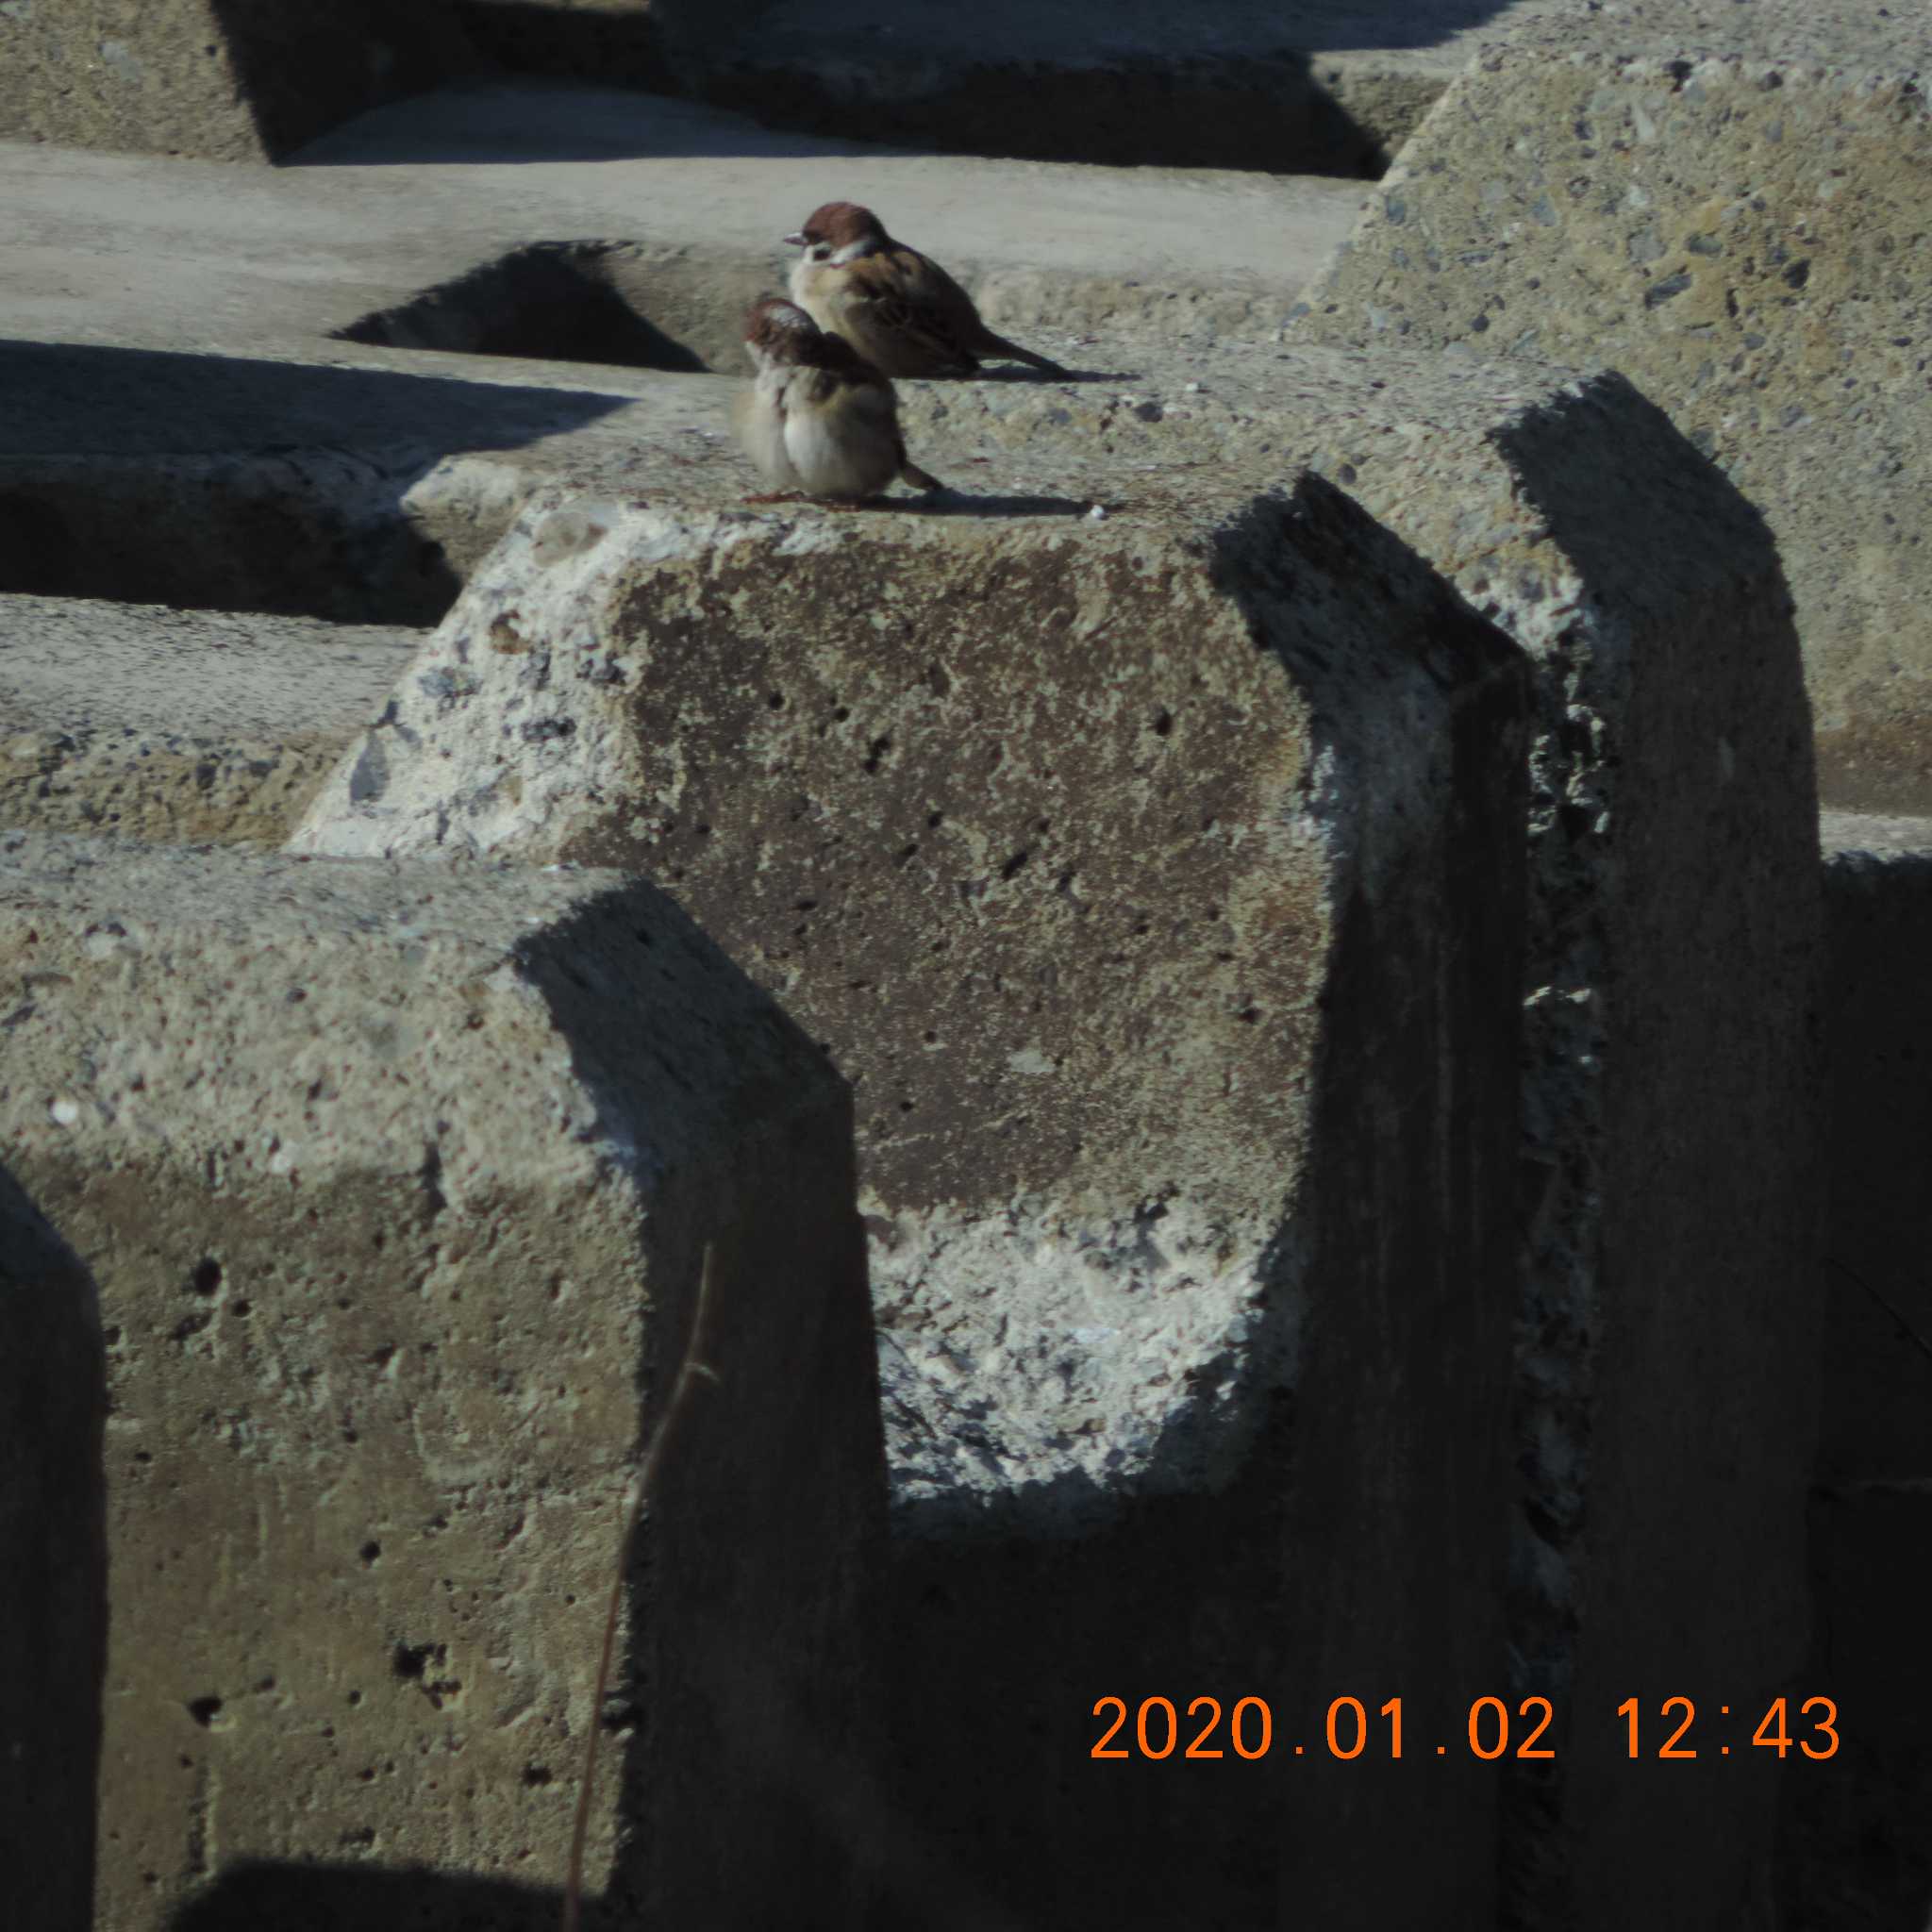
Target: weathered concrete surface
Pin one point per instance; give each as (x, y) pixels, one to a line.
(186, 255)
(165, 724)
(1857, 1841)
(1157, 882)
(548, 721)
(395, 1183)
(1675, 947)
(53, 1569)
(230, 79)
(1725, 202)
(1312, 86)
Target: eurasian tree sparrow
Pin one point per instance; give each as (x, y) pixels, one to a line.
(894, 305)
(818, 417)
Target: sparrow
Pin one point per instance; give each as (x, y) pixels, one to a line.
(897, 308)
(818, 417)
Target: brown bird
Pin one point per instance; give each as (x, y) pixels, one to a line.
(896, 307)
(818, 417)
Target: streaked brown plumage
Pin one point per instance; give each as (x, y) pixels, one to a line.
(899, 309)
(818, 417)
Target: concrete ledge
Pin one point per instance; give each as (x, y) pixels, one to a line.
(1726, 202)
(396, 1181)
(53, 1569)
(147, 723)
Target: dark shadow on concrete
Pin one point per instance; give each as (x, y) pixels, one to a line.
(302, 68)
(554, 301)
(1016, 372)
(1264, 110)
(1877, 1414)
(253, 1895)
(218, 482)
(528, 37)
(1857, 1830)
(754, 1579)
(52, 1563)
(1225, 84)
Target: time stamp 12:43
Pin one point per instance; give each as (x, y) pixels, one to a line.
(1159, 1729)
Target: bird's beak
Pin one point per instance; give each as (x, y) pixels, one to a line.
(792, 240)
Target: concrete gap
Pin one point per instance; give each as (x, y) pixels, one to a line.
(308, 534)
(549, 300)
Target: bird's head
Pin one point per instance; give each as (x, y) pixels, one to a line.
(839, 231)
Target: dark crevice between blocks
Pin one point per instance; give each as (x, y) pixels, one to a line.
(551, 300)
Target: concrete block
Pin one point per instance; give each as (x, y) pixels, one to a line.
(396, 1182)
(1157, 881)
(53, 1569)
(147, 723)
(1726, 202)
(1674, 950)
(231, 79)
(1675, 956)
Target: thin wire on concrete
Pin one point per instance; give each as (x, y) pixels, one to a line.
(1906, 1328)
(693, 1368)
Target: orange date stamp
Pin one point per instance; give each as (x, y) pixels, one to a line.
(1159, 1729)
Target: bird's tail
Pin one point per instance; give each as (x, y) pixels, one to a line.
(998, 345)
(910, 473)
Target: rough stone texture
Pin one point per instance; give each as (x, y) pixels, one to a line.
(1676, 943)
(1157, 882)
(1673, 1153)
(1726, 202)
(230, 79)
(1673, 800)
(155, 723)
(1310, 86)
(1038, 947)
(395, 1183)
(53, 1569)
(1857, 1842)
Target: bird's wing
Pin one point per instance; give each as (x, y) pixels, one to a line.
(919, 305)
